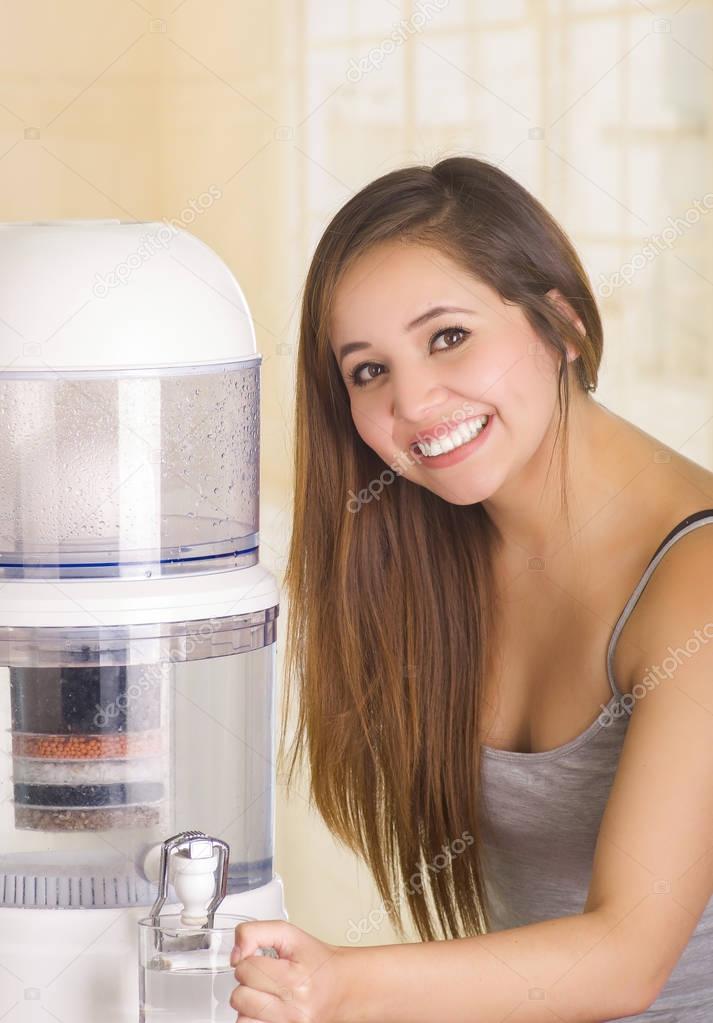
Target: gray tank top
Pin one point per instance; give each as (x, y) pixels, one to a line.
(544, 811)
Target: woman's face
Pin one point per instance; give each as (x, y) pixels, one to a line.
(413, 379)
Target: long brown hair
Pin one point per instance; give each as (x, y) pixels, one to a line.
(388, 631)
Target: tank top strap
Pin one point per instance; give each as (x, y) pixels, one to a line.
(691, 522)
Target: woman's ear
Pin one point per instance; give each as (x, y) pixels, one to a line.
(557, 298)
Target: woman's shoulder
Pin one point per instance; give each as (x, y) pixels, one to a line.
(678, 580)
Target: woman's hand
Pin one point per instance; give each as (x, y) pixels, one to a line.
(307, 984)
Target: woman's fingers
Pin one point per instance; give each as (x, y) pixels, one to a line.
(271, 979)
(252, 1004)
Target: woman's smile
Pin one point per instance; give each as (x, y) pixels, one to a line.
(461, 450)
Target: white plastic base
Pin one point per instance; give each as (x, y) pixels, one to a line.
(81, 965)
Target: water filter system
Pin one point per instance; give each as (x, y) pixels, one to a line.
(137, 625)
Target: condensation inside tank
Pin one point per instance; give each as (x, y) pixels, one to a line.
(158, 461)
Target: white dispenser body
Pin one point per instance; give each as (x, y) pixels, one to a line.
(137, 627)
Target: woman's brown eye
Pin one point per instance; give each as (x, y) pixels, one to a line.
(446, 331)
(355, 377)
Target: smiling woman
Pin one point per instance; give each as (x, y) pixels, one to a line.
(448, 324)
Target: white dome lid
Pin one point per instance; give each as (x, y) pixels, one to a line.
(112, 295)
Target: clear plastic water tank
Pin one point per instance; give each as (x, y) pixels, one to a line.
(153, 472)
(137, 627)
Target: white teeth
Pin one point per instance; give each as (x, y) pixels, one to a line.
(461, 435)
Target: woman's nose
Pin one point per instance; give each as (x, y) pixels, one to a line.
(416, 394)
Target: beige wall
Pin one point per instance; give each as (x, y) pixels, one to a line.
(602, 108)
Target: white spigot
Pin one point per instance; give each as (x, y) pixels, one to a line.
(197, 866)
(194, 880)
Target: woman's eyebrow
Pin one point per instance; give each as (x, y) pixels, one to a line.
(437, 310)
